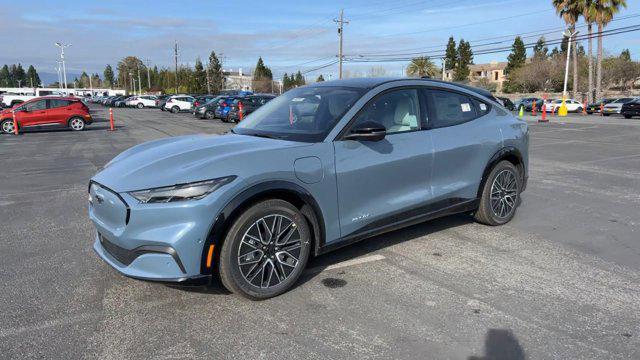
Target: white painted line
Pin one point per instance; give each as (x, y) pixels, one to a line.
(343, 264)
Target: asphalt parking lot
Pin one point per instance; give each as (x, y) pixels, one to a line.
(561, 281)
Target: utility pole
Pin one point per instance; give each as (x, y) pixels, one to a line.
(444, 70)
(563, 108)
(148, 73)
(59, 70)
(175, 56)
(340, 23)
(133, 90)
(139, 82)
(91, 84)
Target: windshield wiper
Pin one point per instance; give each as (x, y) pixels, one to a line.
(268, 136)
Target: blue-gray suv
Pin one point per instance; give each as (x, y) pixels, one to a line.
(317, 168)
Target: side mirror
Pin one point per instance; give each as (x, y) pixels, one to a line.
(367, 131)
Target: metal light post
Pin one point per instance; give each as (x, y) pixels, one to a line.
(139, 82)
(562, 111)
(64, 68)
(133, 89)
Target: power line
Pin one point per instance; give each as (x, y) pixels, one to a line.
(605, 33)
(528, 34)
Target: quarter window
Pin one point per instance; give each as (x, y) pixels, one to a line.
(396, 110)
(450, 108)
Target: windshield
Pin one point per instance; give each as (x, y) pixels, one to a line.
(302, 114)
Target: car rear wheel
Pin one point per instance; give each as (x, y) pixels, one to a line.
(209, 115)
(579, 110)
(265, 250)
(628, 116)
(606, 114)
(7, 126)
(175, 109)
(140, 105)
(500, 195)
(76, 124)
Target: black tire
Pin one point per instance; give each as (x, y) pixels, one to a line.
(485, 213)
(6, 126)
(140, 105)
(579, 110)
(628, 116)
(175, 109)
(76, 124)
(605, 114)
(230, 269)
(209, 115)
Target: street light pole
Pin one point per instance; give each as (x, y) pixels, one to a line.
(563, 108)
(64, 68)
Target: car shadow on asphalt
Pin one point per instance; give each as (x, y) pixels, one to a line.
(380, 242)
(501, 344)
(359, 249)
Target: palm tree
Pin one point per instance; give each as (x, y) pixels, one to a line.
(570, 11)
(422, 66)
(589, 14)
(604, 10)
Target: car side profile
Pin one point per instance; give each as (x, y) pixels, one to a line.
(178, 103)
(571, 104)
(317, 168)
(47, 111)
(615, 107)
(249, 104)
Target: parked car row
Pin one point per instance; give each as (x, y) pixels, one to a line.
(608, 106)
(227, 108)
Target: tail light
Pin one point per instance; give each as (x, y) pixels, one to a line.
(224, 104)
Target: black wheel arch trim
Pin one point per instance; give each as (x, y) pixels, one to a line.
(499, 156)
(310, 209)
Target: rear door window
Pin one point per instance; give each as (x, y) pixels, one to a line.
(56, 103)
(36, 105)
(450, 108)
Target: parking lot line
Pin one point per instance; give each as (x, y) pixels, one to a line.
(343, 264)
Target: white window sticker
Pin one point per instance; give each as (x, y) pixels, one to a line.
(483, 107)
(465, 107)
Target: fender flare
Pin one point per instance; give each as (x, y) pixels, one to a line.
(309, 208)
(501, 154)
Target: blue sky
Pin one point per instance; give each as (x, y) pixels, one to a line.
(289, 35)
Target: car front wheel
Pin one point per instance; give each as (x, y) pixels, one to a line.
(7, 126)
(140, 105)
(500, 195)
(209, 115)
(265, 251)
(175, 109)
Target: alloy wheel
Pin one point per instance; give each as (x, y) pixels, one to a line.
(77, 124)
(269, 251)
(7, 127)
(504, 193)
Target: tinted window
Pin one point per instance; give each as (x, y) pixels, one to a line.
(55, 103)
(36, 105)
(396, 110)
(449, 108)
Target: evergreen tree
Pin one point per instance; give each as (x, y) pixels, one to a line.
(84, 80)
(199, 81)
(5, 76)
(625, 55)
(518, 56)
(451, 55)
(540, 50)
(96, 81)
(262, 77)
(108, 76)
(299, 81)
(464, 59)
(32, 77)
(320, 78)
(286, 84)
(18, 75)
(214, 72)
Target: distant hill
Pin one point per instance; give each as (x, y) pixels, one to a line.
(49, 78)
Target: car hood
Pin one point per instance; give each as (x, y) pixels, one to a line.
(184, 159)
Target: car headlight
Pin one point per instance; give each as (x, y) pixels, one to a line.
(182, 192)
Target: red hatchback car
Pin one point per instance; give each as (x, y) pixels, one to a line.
(45, 111)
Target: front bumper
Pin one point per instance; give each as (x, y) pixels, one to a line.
(611, 111)
(158, 242)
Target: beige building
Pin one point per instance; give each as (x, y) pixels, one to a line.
(492, 73)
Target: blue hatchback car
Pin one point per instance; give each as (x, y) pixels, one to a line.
(317, 168)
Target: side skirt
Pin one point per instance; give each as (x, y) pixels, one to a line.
(433, 212)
